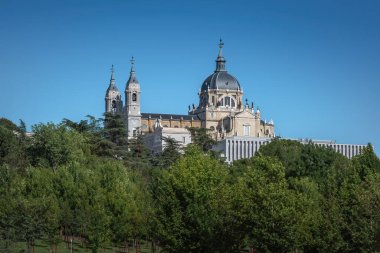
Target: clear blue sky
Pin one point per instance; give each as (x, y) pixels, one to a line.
(312, 66)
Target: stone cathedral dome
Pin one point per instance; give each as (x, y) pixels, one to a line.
(220, 79)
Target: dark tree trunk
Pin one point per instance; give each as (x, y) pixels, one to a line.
(28, 246)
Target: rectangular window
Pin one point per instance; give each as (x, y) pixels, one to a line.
(183, 139)
(227, 101)
(246, 129)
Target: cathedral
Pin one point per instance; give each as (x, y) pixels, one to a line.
(236, 125)
(221, 109)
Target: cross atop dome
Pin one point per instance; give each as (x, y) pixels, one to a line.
(220, 61)
(221, 44)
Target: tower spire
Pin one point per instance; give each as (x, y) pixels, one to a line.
(112, 85)
(112, 73)
(132, 64)
(114, 104)
(132, 75)
(132, 103)
(220, 61)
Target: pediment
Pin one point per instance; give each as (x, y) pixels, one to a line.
(245, 114)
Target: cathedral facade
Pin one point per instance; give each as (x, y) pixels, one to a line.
(236, 124)
(221, 109)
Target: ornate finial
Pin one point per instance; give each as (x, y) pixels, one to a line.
(112, 73)
(112, 81)
(221, 44)
(132, 64)
(220, 61)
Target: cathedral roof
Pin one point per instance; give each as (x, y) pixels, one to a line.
(168, 116)
(220, 79)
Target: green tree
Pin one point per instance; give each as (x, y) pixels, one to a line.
(10, 195)
(13, 148)
(187, 200)
(102, 201)
(346, 195)
(366, 163)
(360, 204)
(8, 124)
(301, 159)
(170, 154)
(270, 206)
(202, 138)
(126, 201)
(139, 157)
(114, 139)
(81, 127)
(82, 202)
(30, 209)
(53, 145)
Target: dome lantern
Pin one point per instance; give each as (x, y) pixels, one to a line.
(220, 79)
(220, 61)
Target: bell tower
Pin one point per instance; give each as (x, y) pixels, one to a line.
(132, 103)
(113, 101)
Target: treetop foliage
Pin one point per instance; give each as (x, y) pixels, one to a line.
(88, 180)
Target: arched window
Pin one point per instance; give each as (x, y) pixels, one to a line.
(227, 101)
(134, 97)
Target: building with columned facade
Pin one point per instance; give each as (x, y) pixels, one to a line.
(236, 147)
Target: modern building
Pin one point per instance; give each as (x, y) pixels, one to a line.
(237, 147)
